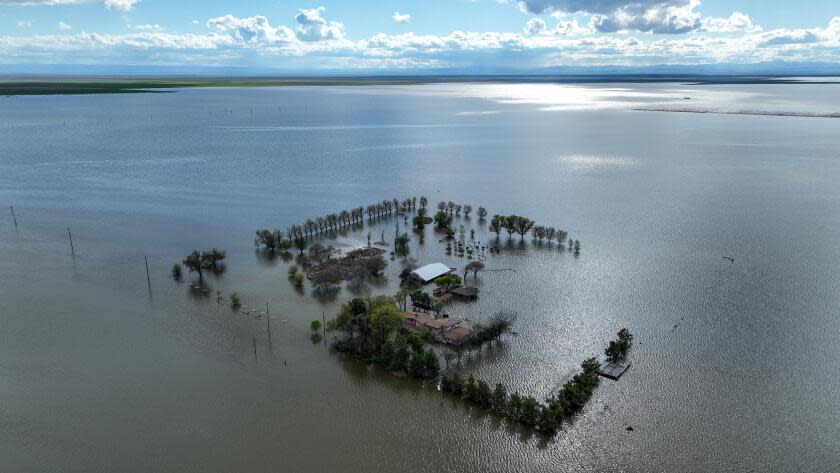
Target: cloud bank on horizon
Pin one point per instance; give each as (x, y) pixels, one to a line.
(525, 35)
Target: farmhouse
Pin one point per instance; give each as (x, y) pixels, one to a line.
(448, 331)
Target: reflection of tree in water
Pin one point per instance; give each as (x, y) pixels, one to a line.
(270, 258)
(326, 294)
(363, 374)
(199, 291)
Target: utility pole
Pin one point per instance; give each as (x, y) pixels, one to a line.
(13, 215)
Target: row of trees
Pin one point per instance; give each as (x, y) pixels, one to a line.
(274, 240)
(451, 208)
(512, 224)
(522, 225)
(277, 240)
(541, 233)
(544, 416)
(296, 235)
(371, 332)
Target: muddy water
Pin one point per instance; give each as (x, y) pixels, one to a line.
(735, 367)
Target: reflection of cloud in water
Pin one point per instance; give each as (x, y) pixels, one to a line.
(471, 113)
(585, 164)
(316, 128)
(420, 146)
(568, 97)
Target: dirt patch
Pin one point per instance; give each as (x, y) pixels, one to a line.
(349, 266)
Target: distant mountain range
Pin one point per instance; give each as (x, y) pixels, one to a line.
(777, 68)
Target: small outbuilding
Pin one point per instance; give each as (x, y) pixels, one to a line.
(613, 369)
(467, 293)
(430, 272)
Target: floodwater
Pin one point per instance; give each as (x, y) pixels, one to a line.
(735, 366)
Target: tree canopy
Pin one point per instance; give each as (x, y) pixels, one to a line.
(199, 261)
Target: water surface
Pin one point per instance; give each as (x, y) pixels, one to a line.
(735, 366)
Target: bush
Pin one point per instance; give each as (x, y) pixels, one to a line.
(235, 302)
(176, 272)
(443, 220)
(376, 265)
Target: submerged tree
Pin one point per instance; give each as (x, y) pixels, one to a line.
(550, 233)
(497, 224)
(376, 264)
(474, 266)
(482, 212)
(176, 272)
(523, 226)
(200, 261)
(511, 224)
(443, 220)
(561, 236)
(401, 245)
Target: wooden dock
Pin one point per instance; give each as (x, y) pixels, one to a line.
(613, 369)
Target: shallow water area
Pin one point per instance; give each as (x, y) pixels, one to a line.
(734, 366)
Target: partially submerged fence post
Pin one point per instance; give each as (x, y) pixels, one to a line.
(268, 323)
(148, 278)
(72, 249)
(13, 215)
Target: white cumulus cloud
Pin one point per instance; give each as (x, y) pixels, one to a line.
(313, 27)
(118, 5)
(401, 17)
(255, 29)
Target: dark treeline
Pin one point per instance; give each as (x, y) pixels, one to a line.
(545, 416)
(455, 209)
(522, 225)
(296, 235)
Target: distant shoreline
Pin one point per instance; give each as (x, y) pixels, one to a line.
(759, 113)
(65, 85)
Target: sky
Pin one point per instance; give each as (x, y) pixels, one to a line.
(406, 36)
